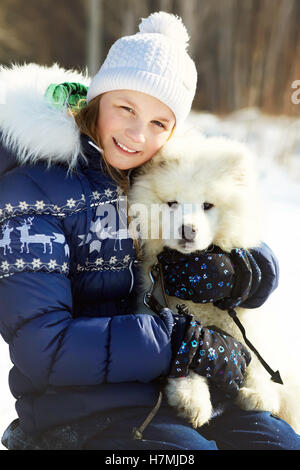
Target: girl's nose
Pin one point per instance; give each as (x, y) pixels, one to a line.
(136, 134)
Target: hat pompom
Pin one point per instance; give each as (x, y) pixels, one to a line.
(168, 24)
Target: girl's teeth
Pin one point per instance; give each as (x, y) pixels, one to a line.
(125, 148)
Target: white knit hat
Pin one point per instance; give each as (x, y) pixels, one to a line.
(153, 61)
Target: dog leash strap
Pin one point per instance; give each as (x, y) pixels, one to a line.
(162, 284)
(137, 433)
(275, 376)
(155, 298)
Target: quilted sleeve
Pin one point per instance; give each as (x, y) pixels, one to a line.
(268, 268)
(47, 345)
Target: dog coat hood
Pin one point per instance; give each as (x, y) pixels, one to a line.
(208, 276)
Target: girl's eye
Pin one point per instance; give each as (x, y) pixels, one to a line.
(207, 205)
(159, 124)
(130, 110)
(172, 204)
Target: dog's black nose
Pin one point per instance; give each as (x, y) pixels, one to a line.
(187, 232)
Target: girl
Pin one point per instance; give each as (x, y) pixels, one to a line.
(85, 365)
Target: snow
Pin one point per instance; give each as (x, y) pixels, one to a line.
(276, 142)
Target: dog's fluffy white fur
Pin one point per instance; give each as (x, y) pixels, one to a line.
(193, 169)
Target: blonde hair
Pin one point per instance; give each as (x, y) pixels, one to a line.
(86, 119)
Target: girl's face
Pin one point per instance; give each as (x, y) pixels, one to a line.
(132, 127)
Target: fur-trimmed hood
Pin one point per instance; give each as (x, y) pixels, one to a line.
(32, 129)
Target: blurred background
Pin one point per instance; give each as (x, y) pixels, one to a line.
(247, 53)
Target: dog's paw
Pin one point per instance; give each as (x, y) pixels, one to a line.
(191, 397)
(264, 400)
(196, 416)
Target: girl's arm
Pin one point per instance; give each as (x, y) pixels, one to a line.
(47, 345)
(265, 271)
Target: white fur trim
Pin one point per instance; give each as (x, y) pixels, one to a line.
(30, 127)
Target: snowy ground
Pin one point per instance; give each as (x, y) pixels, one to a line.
(277, 143)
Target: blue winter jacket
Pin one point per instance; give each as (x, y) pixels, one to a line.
(66, 309)
(67, 288)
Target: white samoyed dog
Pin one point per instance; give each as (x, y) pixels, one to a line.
(216, 177)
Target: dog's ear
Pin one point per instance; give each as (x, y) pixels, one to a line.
(157, 160)
(164, 158)
(143, 169)
(162, 163)
(241, 168)
(238, 163)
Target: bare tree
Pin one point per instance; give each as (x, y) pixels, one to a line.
(166, 5)
(94, 37)
(129, 18)
(188, 12)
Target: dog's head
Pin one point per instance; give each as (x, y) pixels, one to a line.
(197, 191)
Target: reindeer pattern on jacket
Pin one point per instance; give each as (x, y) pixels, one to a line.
(26, 239)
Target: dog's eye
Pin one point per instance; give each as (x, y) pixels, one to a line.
(207, 205)
(172, 204)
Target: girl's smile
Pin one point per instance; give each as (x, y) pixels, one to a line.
(125, 149)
